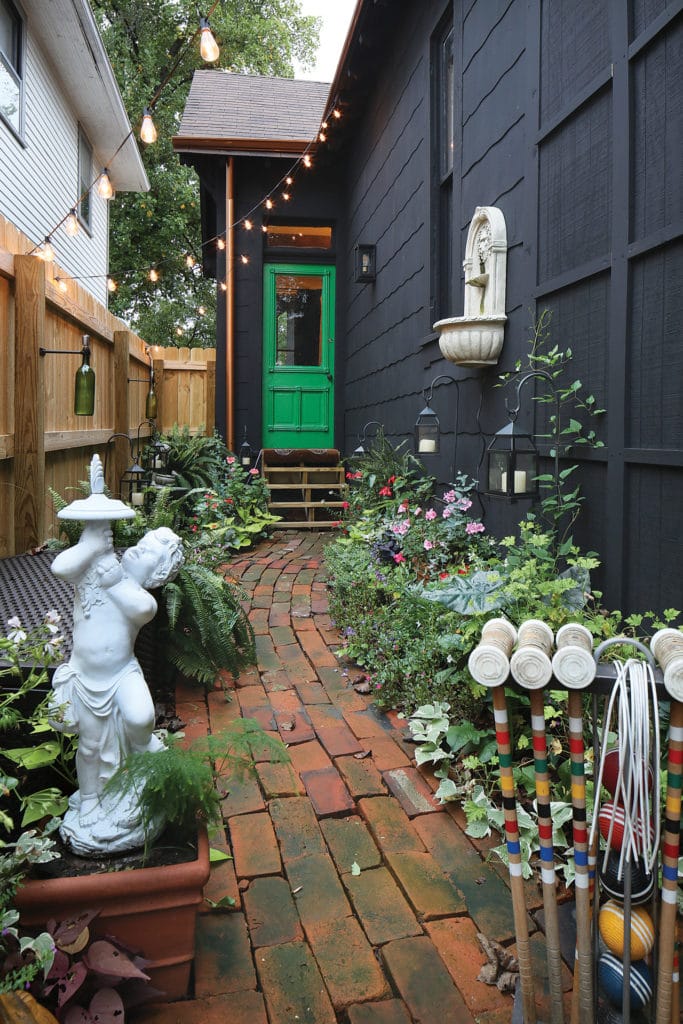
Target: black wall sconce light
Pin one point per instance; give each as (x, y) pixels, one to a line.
(151, 403)
(362, 437)
(512, 456)
(84, 388)
(365, 263)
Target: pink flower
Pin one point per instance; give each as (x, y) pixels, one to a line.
(446, 514)
(400, 557)
(428, 545)
(475, 528)
(345, 504)
(403, 507)
(464, 504)
(417, 512)
(430, 514)
(449, 496)
(253, 472)
(230, 459)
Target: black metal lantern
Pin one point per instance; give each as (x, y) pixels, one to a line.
(427, 432)
(132, 484)
(245, 452)
(512, 463)
(512, 456)
(365, 263)
(158, 456)
(360, 450)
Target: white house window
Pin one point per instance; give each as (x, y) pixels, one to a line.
(11, 65)
(85, 178)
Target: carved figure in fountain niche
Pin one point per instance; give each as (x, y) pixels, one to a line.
(101, 693)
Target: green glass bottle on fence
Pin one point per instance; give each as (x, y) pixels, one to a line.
(84, 401)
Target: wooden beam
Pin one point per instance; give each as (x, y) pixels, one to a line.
(71, 310)
(6, 446)
(6, 263)
(29, 429)
(63, 440)
(158, 365)
(185, 364)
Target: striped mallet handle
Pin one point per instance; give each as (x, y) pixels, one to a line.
(670, 854)
(582, 1001)
(548, 878)
(503, 741)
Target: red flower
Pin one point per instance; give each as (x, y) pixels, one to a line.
(463, 570)
(345, 504)
(443, 575)
(391, 479)
(385, 492)
(399, 557)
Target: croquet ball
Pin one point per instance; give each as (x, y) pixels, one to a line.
(610, 772)
(611, 924)
(611, 811)
(642, 881)
(611, 978)
(608, 1015)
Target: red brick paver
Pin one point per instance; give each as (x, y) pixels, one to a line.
(357, 897)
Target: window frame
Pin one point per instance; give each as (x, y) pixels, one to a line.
(84, 182)
(442, 169)
(18, 72)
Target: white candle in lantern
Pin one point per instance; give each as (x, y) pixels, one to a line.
(520, 481)
(158, 463)
(137, 498)
(427, 445)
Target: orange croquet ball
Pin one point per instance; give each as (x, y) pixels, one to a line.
(612, 930)
(611, 811)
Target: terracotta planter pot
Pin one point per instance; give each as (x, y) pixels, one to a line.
(152, 910)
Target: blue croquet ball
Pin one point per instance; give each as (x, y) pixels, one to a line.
(608, 1015)
(611, 978)
(641, 880)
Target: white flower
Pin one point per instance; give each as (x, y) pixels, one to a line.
(16, 636)
(52, 617)
(14, 622)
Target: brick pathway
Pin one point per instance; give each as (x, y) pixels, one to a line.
(311, 937)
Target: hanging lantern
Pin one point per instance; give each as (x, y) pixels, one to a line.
(158, 456)
(132, 484)
(427, 432)
(245, 452)
(512, 463)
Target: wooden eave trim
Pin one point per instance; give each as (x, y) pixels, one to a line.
(240, 147)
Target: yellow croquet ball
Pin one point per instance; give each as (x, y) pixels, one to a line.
(611, 924)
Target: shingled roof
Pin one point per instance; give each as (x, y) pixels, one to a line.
(231, 113)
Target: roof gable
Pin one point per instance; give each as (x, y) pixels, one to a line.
(232, 113)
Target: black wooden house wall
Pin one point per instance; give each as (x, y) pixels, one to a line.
(568, 117)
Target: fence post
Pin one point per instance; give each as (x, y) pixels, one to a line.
(121, 460)
(210, 396)
(29, 420)
(159, 385)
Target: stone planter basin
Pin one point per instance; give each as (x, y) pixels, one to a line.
(471, 341)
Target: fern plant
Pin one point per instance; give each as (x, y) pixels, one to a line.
(191, 775)
(206, 629)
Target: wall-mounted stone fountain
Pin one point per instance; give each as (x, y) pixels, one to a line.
(476, 339)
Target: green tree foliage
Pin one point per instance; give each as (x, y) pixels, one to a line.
(144, 39)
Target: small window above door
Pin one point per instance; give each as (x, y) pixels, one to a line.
(299, 236)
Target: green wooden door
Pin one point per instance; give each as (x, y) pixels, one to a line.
(298, 356)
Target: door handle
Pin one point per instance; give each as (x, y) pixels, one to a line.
(330, 377)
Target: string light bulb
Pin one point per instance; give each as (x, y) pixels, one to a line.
(179, 331)
(47, 252)
(264, 229)
(322, 137)
(61, 284)
(286, 196)
(245, 259)
(153, 275)
(111, 284)
(71, 225)
(289, 180)
(306, 161)
(324, 126)
(190, 260)
(202, 310)
(105, 189)
(224, 286)
(220, 244)
(336, 113)
(208, 47)
(148, 132)
(248, 225)
(269, 204)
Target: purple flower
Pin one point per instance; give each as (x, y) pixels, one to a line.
(464, 504)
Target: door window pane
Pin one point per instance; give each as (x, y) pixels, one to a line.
(299, 236)
(298, 313)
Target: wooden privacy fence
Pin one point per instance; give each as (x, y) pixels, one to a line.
(42, 443)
